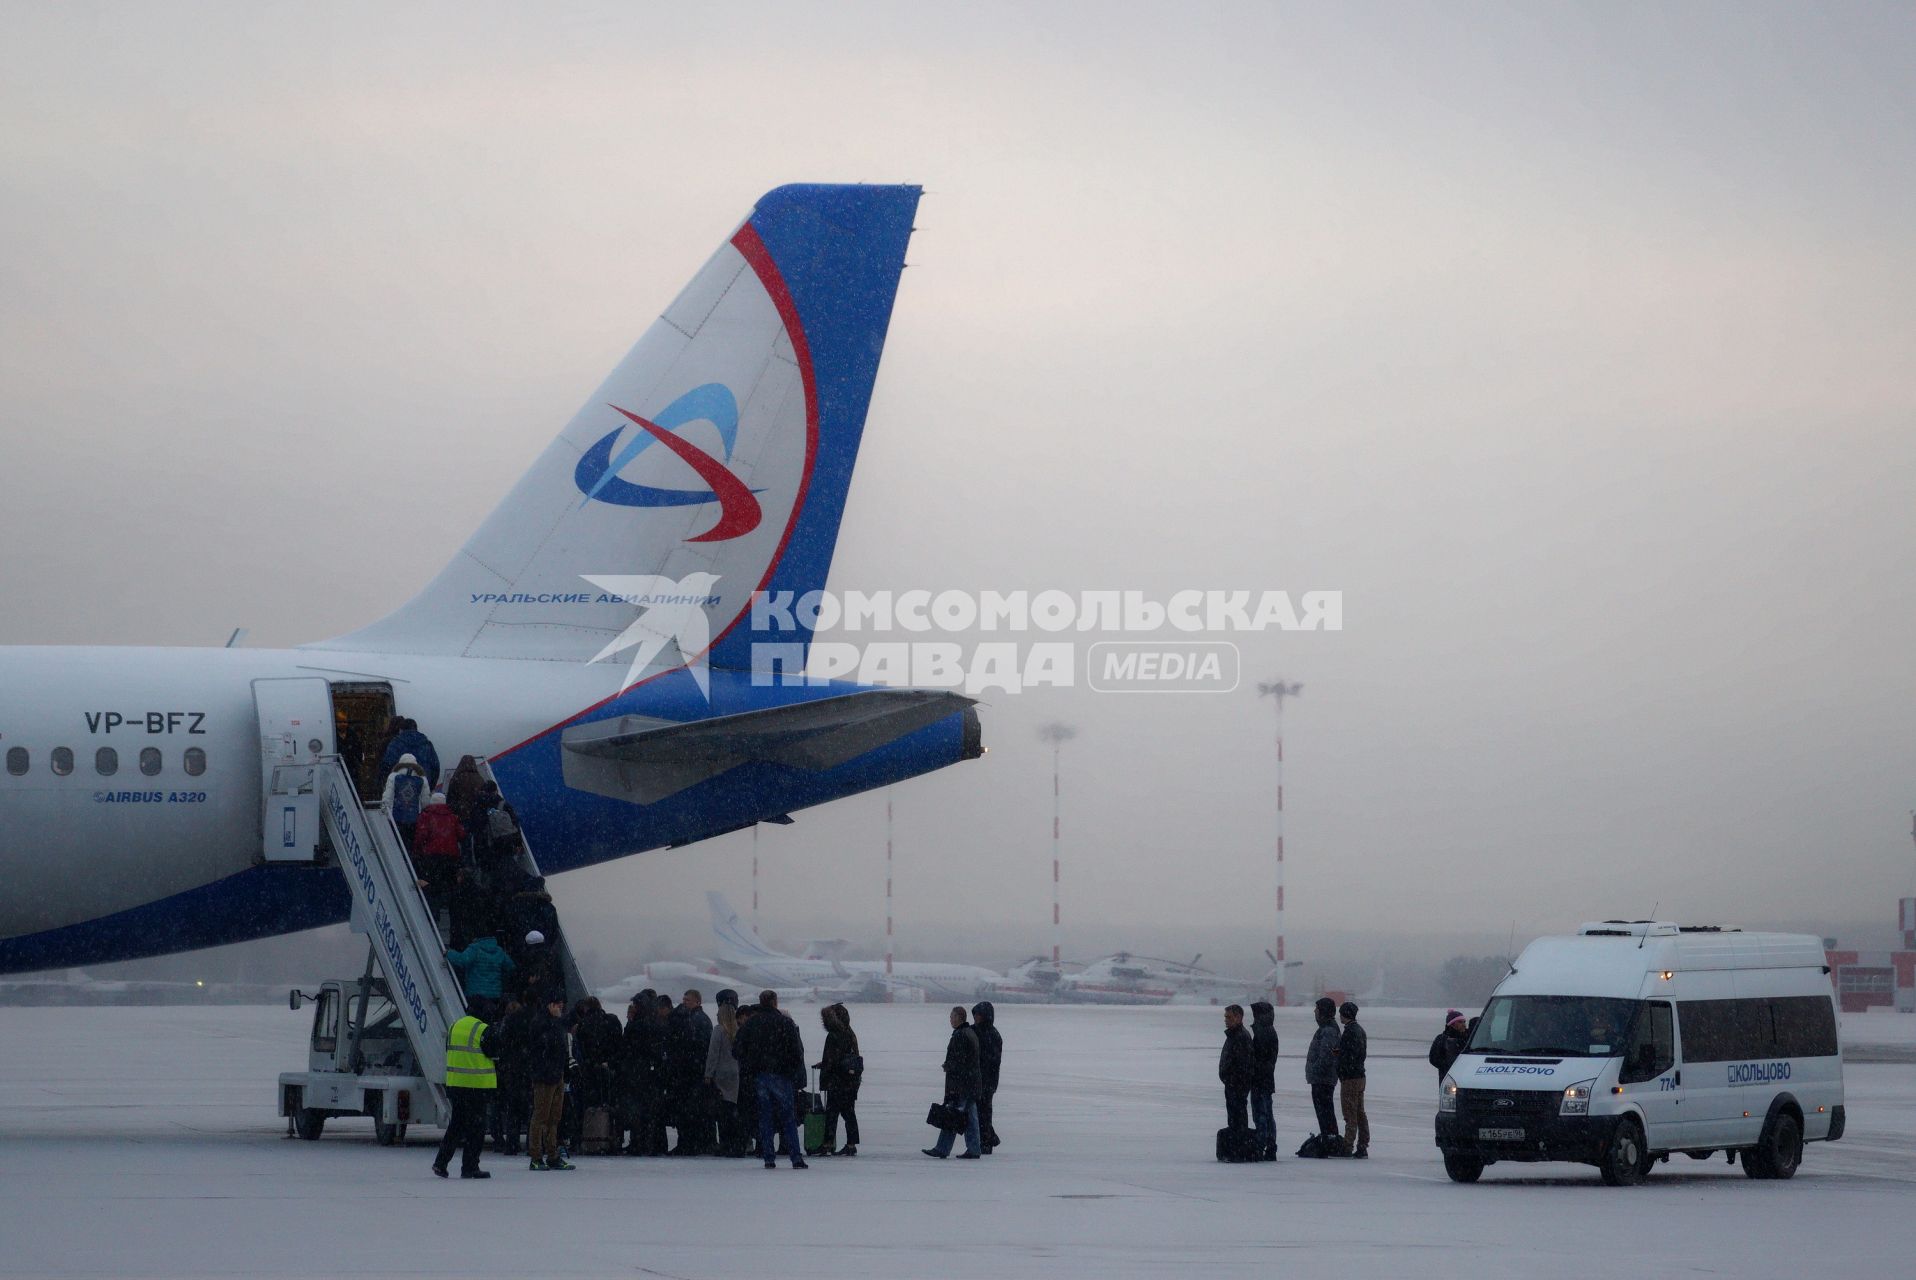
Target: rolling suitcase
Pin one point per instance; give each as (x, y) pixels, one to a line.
(1237, 1146)
(812, 1106)
(597, 1136)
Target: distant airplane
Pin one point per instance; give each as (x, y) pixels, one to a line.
(1178, 980)
(594, 638)
(745, 956)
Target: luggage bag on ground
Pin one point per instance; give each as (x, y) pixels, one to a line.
(596, 1135)
(1237, 1146)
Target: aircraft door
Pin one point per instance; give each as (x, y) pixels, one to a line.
(295, 731)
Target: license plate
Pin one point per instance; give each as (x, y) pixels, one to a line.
(1500, 1135)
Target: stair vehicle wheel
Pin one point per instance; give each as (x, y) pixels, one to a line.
(388, 1135)
(1626, 1158)
(1462, 1167)
(308, 1123)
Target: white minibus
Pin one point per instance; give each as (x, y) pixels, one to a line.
(1636, 1039)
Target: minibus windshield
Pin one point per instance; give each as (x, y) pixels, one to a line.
(1554, 1026)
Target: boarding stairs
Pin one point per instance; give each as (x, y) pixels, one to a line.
(389, 907)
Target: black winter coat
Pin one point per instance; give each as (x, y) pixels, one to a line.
(770, 1044)
(636, 1055)
(1444, 1049)
(598, 1038)
(1352, 1047)
(1264, 1047)
(840, 1043)
(991, 1055)
(688, 1035)
(547, 1048)
(964, 1081)
(512, 1031)
(1237, 1061)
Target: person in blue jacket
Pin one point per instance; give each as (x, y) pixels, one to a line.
(409, 741)
(483, 969)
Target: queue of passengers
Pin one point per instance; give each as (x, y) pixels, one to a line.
(674, 1081)
(671, 1080)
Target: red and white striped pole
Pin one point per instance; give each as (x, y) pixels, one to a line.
(888, 884)
(1280, 853)
(1057, 927)
(1279, 690)
(1057, 735)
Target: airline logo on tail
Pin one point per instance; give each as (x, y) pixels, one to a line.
(597, 474)
(737, 940)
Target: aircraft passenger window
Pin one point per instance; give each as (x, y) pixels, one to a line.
(18, 761)
(62, 760)
(150, 761)
(195, 761)
(107, 761)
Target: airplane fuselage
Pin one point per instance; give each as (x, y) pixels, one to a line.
(133, 846)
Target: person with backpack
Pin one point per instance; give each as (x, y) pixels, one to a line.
(963, 1083)
(841, 1069)
(462, 793)
(405, 796)
(409, 741)
(1264, 1077)
(1353, 1045)
(496, 840)
(1320, 1073)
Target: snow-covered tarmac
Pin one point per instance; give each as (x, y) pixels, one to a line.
(142, 1141)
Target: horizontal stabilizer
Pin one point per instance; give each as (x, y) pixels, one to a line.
(643, 759)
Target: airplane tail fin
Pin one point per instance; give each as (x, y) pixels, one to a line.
(738, 941)
(712, 463)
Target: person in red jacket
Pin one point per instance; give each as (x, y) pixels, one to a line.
(435, 850)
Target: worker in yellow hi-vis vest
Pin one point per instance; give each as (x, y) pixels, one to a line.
(470, 1081)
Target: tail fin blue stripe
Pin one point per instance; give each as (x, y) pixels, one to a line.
(831, 257)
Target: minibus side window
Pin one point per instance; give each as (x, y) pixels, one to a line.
(1652, 1046)
(1805, 1026)
(1727, 1030)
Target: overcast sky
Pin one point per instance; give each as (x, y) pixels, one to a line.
(1571, 343)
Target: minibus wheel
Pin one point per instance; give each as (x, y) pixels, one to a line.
(1779, 1152)
(1463, 1167)
(1625, 1158)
